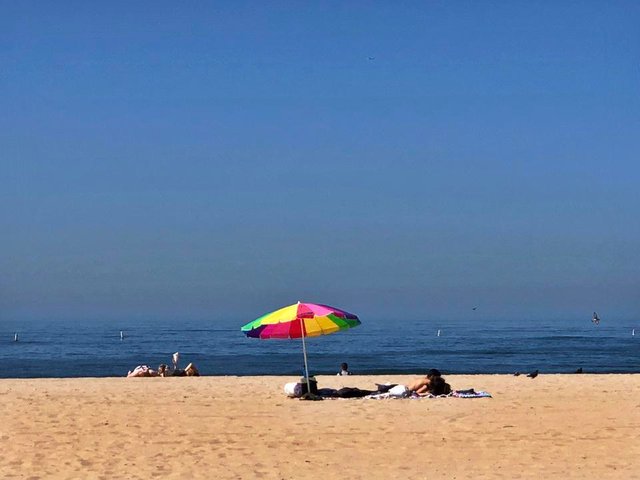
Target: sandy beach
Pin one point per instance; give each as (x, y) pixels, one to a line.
(554, 426)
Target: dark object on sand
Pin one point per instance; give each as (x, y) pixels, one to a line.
(468, 391)
(310, 396)
(517, 374)
(533, 374)
(345, 392)
(353, 392)
(385, 388)
(313, 383)
(579, 370)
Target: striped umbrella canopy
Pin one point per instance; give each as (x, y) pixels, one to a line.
(299, 321)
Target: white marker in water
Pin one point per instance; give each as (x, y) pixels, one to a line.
(121, 335)
(633, 332)
(15, 337)
(438, 332)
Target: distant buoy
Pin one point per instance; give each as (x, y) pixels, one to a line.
(15, 337)
(633, 332)
(121, 335)
(438, 332)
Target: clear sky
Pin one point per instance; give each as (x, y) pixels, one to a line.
(221, 159)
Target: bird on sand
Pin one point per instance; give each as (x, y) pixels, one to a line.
(533, 374)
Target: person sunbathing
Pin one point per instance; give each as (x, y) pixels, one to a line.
(191, 371)
(164, 371)
(437, 386)
(142, 371)
(421, 385)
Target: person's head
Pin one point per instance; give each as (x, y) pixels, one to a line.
(434, 373)
(344, 366)
(162, 369)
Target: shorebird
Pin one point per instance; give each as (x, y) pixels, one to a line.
(533, 374)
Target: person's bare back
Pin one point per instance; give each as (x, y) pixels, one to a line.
(419, 385)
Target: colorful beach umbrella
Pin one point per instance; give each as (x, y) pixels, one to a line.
(299, 321)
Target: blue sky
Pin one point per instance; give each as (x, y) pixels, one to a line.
(216, 160)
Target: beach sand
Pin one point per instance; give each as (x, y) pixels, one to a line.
(554, 426)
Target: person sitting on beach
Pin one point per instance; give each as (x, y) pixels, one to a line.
(436, 387)
(162, 370)
(421, 385)
(344, 369)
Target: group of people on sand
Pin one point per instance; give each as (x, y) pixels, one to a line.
(164, 371)
(432, 384)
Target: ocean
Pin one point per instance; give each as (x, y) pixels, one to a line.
(75, 349)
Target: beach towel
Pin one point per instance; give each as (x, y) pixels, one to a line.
(399, 393)
(471, 393)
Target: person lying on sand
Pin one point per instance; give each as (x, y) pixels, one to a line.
(432, 384)
(142, 371)
(437, 386)
(163, 371)
(189, 371)
(421, 385)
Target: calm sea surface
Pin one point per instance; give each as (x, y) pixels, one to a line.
(73, 349)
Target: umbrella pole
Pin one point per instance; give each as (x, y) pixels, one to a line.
(304, 352)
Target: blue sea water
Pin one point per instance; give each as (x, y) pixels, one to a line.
(74, 349)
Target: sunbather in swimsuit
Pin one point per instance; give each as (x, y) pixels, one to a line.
(142, 371)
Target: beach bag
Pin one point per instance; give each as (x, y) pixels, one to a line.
(313, 383)
(293, 390)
